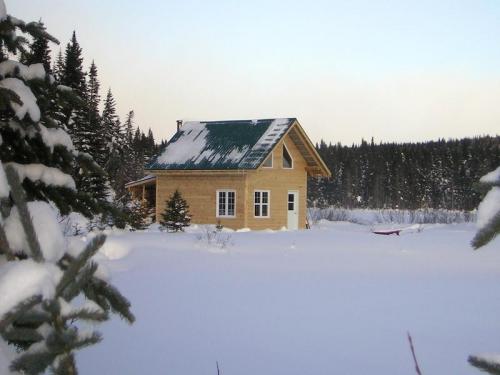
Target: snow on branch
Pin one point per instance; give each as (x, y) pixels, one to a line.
(24, 279)
(4, 186)
(56, 137)
(487, 362)
(27, 72)
(492, 178)
(28, 100)
(47, 175)
(46, 226)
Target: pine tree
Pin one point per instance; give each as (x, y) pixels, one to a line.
(37, 157)
(82, 119)
(116, 154)
(138, 214)
(176, 215)
(92, 142)
(94, 130)
(111, 126)
(129, 129)
(73, 75)
(39, 52)
(58, 67)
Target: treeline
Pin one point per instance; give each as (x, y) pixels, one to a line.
(437, 174)
(119, 147)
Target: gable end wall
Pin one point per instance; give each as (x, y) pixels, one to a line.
(279, 181)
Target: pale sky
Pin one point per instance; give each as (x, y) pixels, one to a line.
(393, 70)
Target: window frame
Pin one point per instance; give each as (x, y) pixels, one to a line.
(226, 208)
(260, 204)
(282, 157)
(272, 161)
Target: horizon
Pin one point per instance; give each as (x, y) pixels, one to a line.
(396, 71)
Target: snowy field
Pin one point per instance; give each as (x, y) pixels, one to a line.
(336, 299)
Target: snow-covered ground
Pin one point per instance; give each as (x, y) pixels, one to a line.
(336, 299)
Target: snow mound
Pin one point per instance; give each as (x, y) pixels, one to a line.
(26, 278)
(114, 249)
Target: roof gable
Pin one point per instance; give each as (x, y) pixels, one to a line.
(216, 145)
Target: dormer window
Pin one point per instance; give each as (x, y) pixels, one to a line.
(287, 159)
(268, 163)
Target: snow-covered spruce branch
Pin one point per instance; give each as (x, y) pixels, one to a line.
(489, 210)
(485, 363)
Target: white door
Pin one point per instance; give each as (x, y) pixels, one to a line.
(293, 210)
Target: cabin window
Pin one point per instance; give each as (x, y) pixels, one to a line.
(268, 163)
(287, 159)
(226, 203)
(261, 203)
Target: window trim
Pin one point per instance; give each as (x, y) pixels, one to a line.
(227, 206)
(272, 161)
(261, 204)
(291, 158)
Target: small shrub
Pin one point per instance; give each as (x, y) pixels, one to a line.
(215, 237)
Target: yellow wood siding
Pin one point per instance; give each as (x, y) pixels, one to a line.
(199, 190)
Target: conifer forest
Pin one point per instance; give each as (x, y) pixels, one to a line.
(436, 174)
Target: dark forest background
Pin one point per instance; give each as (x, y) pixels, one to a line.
(436, 174)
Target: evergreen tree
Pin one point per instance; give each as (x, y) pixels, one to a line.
(176, 215)
(92, 141)
(138, 214)
(37, 157)
(93, 138)
(39, 52)
(118, 156)
(129, 129)
(73, 75)
(58, 67)
(82, 119)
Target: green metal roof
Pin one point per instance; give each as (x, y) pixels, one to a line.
(216, 145)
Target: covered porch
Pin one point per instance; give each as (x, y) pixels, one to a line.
(144, 190)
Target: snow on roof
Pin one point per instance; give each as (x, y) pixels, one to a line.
(239, 144)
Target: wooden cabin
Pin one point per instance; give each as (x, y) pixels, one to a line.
(241, 174)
